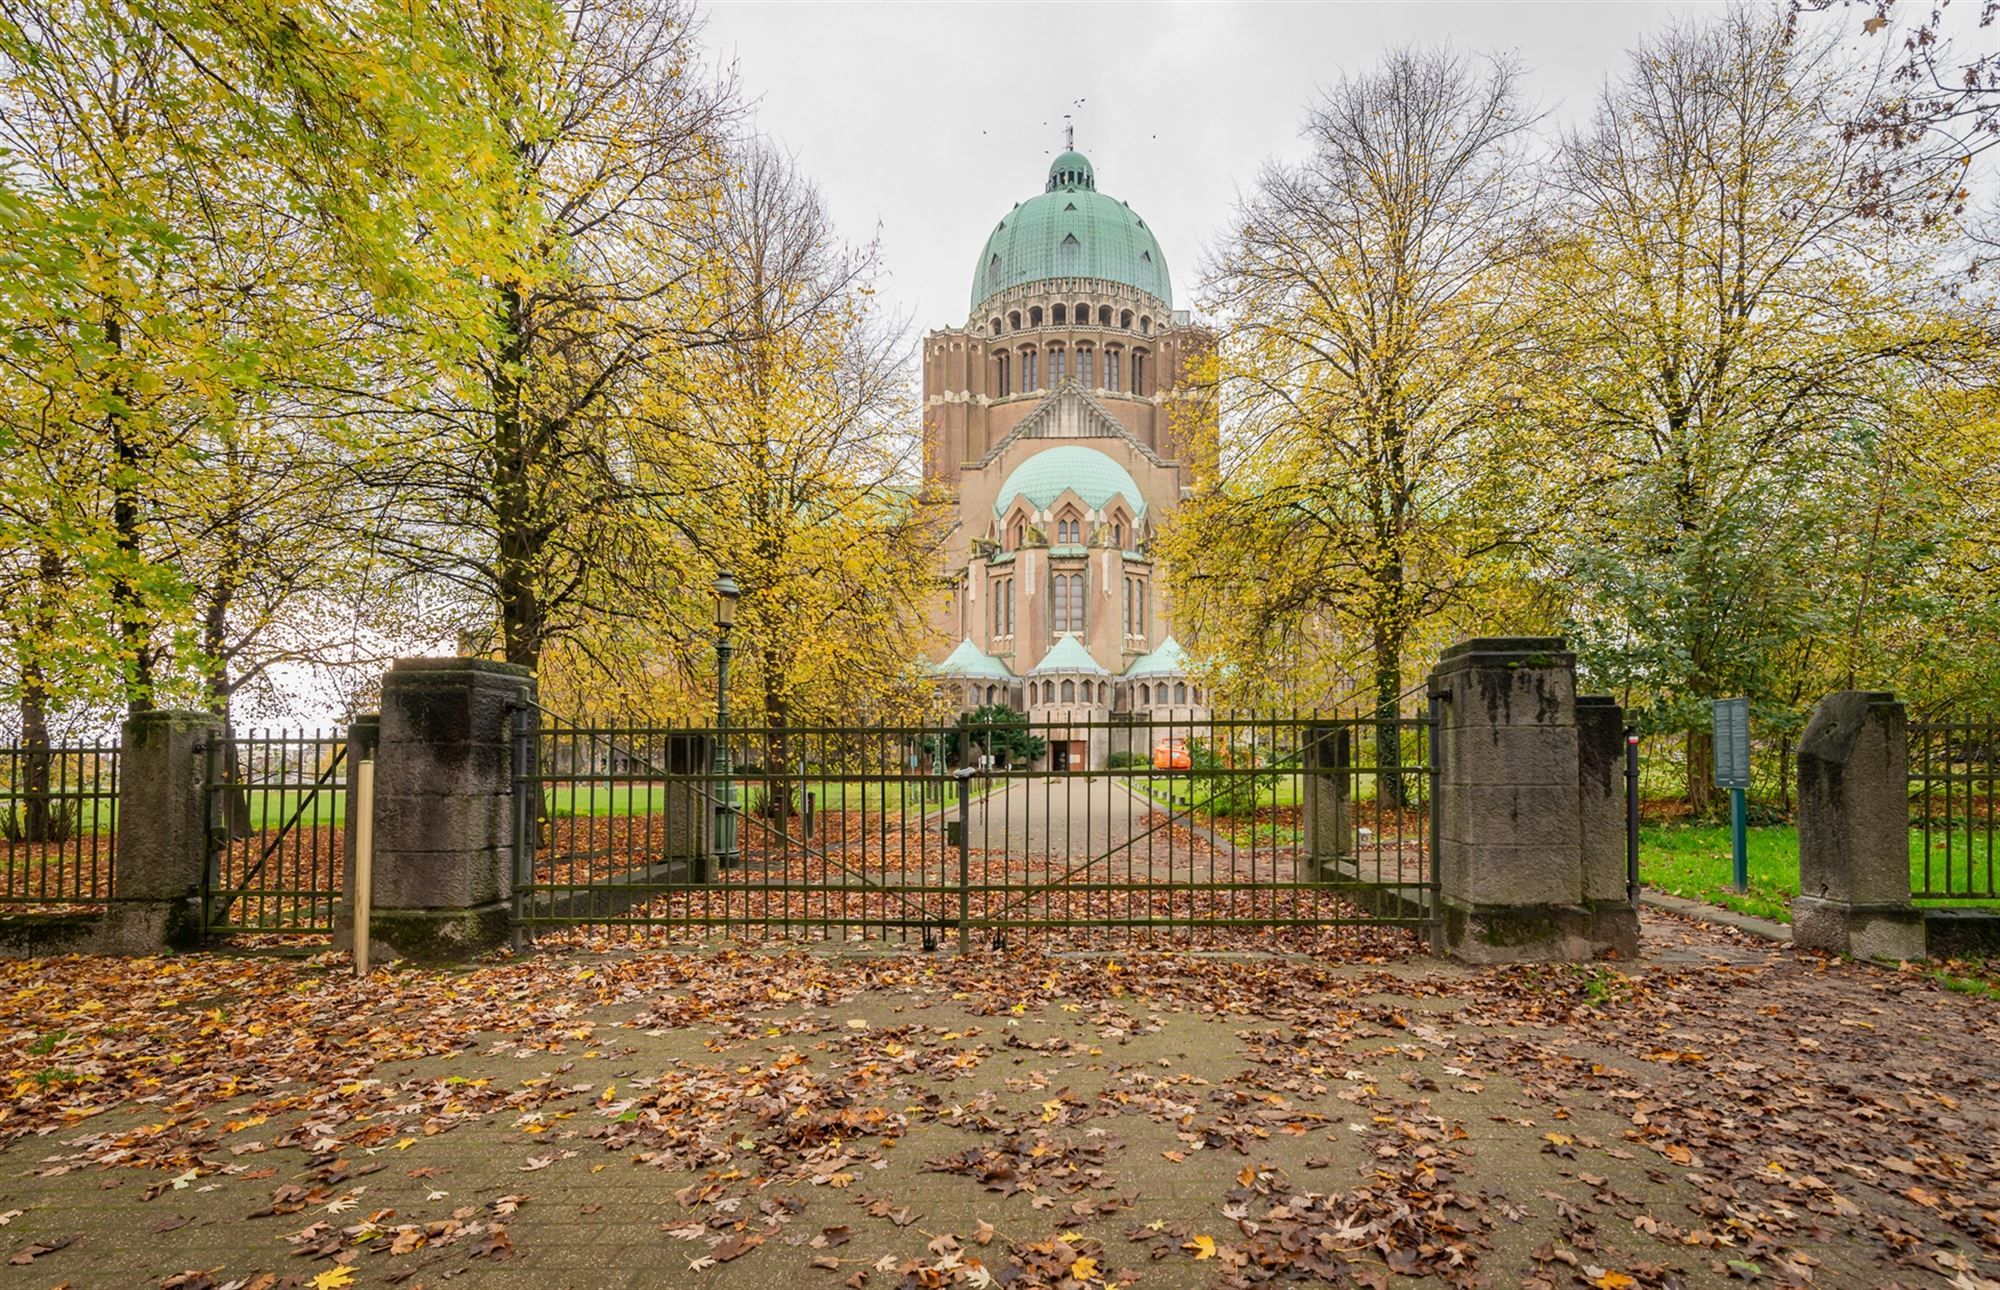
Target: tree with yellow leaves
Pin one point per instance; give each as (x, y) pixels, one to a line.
(1739, 346)
(782, 457)
(1371, 307)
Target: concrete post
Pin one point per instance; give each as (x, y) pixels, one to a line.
(1854, 830)
(1510, 845)
(1325, 809)
(444, 818)
(162, 839)
(1600, 745)
(364, 736)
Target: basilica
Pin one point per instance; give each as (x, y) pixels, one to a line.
(1060, 418)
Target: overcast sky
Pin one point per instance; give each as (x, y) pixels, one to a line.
(928, 122)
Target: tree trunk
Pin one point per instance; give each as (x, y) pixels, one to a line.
(125, 595)
(1700, 771)
(1390, 789)
(35, 756)
(36, 759)
(777, 748)
(233, 797)
(519, 539)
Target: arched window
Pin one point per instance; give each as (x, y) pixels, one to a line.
(1084, 364)
(1069, 691)
(1118, 534)
(1058, 315)
(1104, 315)
(992, 694)
(1031, 378)
(1056, 365)
(1180, 692)
(1082, 314)
(996, 324)
(1138, 373)
(1034, 315)
(1110, 369)
(1066, 609)
(1145, 326)
(1125, 320)
(1014, 321)
(1001, 377)
(1145, 692)
(1007, 599)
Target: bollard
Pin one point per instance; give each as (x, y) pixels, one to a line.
(363, 825)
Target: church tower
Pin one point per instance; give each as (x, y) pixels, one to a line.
(1059, 415)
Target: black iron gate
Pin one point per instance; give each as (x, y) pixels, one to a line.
(1192, 829)
(274, 807)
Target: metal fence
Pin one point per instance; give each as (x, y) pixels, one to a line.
(274, 807)
(1085, 831)
(1954, 825)
(58, 826)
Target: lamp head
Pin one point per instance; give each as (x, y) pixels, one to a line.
(726, 595)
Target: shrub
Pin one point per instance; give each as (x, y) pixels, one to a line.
(59, 824)
(1221, 780)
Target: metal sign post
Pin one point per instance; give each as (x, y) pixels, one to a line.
(1732, 771)
(1632, 816)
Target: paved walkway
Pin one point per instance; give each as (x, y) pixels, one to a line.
(1082, 818)
(1728, 1111)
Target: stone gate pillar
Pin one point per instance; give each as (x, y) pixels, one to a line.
(1511, 838)
(444, 817)
(1854, 830)
(162, 842)
(1600, 747)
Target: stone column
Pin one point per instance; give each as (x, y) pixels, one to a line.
(162, 838)
(444, 807)
(1854, 830)
(1510, 839)
(364, 735)
(1600, 741)
(1324, 808)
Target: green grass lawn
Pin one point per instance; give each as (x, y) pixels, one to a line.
(1694, 861)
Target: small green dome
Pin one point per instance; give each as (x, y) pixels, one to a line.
(1169, 659)
(1043, 477)
(969, 660)
(1068, 655)
(1071, 231)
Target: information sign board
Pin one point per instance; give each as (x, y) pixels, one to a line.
(1732, 743)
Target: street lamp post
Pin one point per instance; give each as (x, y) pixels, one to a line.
(726, 595)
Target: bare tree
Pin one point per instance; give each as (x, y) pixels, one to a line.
(1371, 308)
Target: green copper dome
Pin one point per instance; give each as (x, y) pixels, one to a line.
(1071, 231)
(1043, 477)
